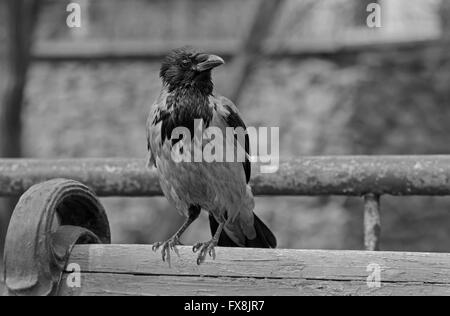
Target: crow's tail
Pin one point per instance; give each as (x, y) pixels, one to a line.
(264, 237)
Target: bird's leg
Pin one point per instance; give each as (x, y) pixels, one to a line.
(174, 241)
(206, 248)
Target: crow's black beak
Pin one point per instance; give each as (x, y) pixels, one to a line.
(207, 62)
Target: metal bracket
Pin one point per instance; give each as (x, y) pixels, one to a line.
(49, 219)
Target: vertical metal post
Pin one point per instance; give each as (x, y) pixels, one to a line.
(372, 222)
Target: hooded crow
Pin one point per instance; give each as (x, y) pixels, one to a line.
(218, 187)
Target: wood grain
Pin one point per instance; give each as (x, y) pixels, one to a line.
(134, 285)
(134, 269)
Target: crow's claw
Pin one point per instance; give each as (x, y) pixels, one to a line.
(156, 246)
(197, 246)
(212, 253)
(166, 246)
(205, 249)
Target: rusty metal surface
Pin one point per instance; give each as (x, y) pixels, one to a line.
(372, 222)
(37, 245)
(344, 175)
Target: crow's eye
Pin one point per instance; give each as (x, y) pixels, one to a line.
(185, 62)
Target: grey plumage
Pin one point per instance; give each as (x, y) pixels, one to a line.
(220, 188)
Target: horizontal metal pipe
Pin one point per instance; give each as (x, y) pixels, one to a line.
(309, 176)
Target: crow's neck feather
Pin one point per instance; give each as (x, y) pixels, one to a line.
(184, 105)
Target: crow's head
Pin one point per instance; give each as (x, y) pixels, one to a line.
(185, 68)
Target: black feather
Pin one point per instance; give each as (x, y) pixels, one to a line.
(264, 236)
(189, 93)
(235, 121)
(177, 72)
(183, 116)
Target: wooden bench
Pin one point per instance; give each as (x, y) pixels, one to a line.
(136, 270)
(73, 256)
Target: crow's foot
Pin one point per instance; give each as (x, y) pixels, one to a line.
(205, 248)
(166, 247)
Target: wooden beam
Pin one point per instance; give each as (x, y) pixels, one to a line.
(150, 285)
(136, 270)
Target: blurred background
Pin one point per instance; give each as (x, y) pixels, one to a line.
(312, 67)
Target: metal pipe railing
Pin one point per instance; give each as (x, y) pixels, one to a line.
(366, 176)
(307, 176)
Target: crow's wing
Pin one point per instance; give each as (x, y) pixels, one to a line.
(150, 156)
(153, 127)
(237, 234)
(229, 113)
